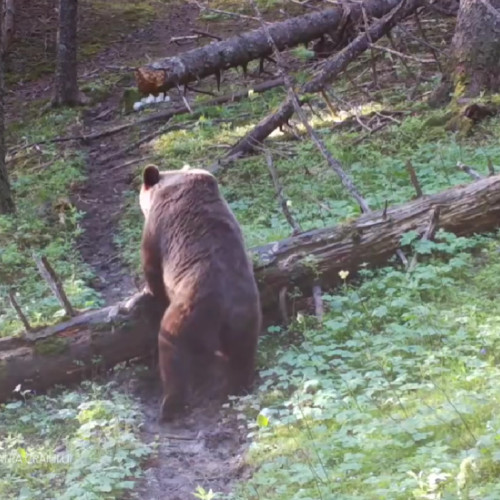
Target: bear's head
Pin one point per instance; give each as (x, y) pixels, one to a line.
(153, 179)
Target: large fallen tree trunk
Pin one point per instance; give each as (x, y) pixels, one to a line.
(69, 351)
(239, 50)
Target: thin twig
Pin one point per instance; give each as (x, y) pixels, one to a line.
(128, 163)
(491, 168)
(143, 140)
(318, 302)
(205, 33)
(156, 133)
(402, 56)
(224, 12)
(414, 179)
(434, 50)
(278, 187)
(373, 61)
(282, 305)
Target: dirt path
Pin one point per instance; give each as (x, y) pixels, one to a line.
(101, 197)
(205, 448)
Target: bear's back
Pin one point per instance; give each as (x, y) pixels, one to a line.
(198, 234)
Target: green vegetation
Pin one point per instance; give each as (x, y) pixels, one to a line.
(395, 394)
(46, 221)
(71, 445)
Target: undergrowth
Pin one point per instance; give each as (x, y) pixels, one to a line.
(71, 445)
(46, 222)
(395, 395)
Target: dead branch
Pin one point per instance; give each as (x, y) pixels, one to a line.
(427, 236)
(147, 138)
(414, 178)
(469, 171)
(278, 187)
(50, 276)
(22, 317)
(491, 168)
(293, 98)
(318, 302)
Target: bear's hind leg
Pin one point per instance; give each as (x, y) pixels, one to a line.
(173, 370)
(185, 330)
(240, 350)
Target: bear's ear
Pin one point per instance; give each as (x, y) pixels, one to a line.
(151, 176)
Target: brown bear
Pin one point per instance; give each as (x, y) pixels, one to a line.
(194, 261)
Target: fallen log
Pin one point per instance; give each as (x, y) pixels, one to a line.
(332, 68)
(239, 50)
(70, 351)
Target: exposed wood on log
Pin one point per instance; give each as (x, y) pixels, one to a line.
(332, 68)
(66, 352)
(198, 63)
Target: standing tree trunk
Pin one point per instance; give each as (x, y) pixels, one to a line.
(476, 47)
(8, 23)
(66, 84)
(6, 200)
(475, 56)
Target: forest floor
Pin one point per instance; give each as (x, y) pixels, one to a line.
(394, 395)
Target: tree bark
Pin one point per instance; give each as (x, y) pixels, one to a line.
(8, 23)
(239, 50)
(70, 350)
(476, 48)
(6, 200)
(66, 81)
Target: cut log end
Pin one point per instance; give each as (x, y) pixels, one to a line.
(150, 81)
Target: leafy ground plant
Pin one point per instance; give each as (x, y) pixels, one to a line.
(395, 395)
(71, 445)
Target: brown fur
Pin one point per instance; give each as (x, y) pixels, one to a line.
(194, 260)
